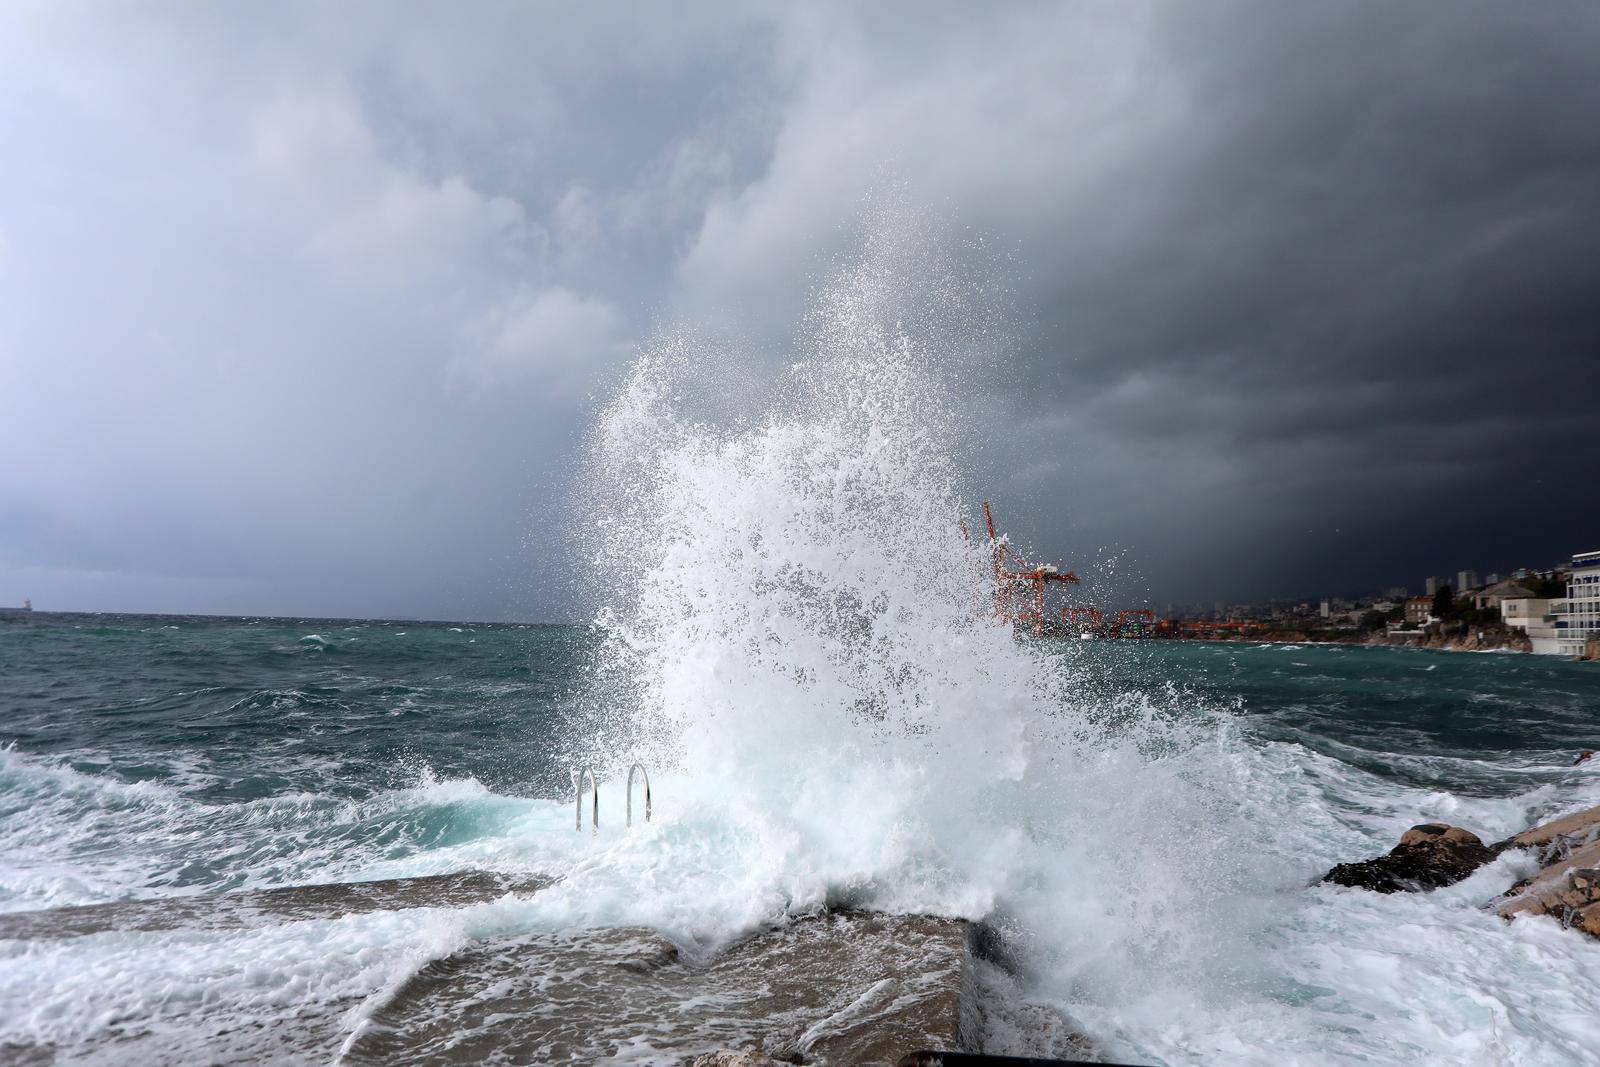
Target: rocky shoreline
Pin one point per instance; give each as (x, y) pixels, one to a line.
(1489, 642)
(1481, 640)
(1565, 887)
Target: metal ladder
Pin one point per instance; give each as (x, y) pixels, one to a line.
(646, 775)
(594, 795)
(594, 808)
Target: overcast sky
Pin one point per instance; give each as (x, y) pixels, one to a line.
(304, 309)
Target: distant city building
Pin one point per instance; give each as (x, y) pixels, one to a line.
(1434, 584)
(1492, 595)
(1397, 592)
(1532, 616)
(1578, 617)
(1520, 572)
(1493, 579)
(1419, 609)
(1326, 608)
(1466, 580)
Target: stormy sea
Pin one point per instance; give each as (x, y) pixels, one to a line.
(1152, 858)
(249, 840)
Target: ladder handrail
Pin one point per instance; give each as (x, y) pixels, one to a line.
(640, 768)
(578, 777)
(594, 807)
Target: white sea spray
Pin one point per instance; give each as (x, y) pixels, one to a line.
(804, 641)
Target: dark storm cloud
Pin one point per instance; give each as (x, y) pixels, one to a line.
(1365, 280)
(305, 310)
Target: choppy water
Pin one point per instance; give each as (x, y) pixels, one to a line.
(162, 756)
(292, 747)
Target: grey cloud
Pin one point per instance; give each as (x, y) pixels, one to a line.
(305, 309)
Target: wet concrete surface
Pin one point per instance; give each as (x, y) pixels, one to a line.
(251, 908)
(837, 988)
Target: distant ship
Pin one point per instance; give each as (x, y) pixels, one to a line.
(27, 605)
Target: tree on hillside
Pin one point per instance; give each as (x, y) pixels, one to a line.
(1546, 587)
(1443, 601)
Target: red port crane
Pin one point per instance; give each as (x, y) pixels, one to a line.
(1130, 622)
(1013, 574)
(1082, 619)
(1144, 621)
(1020, 588)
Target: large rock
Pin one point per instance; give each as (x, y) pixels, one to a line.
(1580, 827)
(1428, 856)
(1567, 887)
(1567, 890)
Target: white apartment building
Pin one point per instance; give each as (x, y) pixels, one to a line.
(1579, 616)
(1532, 616)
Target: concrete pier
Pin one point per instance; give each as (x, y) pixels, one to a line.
(836, 987)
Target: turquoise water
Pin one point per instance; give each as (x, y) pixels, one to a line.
(237, 709)
(1488, 723)
(257, 729)
(163, 753)
(157, 756)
